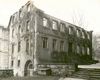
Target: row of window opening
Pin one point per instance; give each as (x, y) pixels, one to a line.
(54, 44)
(62, 28)
(54, 25)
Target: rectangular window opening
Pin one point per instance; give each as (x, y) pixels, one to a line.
(18, 63)
(45, 22)
(62, 46)
(44, 42)
(54, 25)
(54, 44)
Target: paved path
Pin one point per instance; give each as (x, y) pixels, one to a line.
(96, 66)
(71, 79)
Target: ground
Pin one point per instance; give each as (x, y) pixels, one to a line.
(32, 78)
(96, 66)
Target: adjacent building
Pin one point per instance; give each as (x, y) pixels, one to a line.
(4, 48)
(96, 47)
(37, 39)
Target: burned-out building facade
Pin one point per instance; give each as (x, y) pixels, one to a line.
(38, 39)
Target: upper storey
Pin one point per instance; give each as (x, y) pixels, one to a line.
(29, 18)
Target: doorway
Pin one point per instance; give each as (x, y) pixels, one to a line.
(28, 70)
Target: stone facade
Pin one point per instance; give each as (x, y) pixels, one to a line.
(37, 39)
(4, 48)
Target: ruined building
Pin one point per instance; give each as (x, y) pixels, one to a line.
(39, 39)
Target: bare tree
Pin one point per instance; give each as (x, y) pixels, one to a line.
(78, 18)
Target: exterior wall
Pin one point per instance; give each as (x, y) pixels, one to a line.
(20, 19)
(45, 53)
(82, 38)
(4, 56)
(37, 54)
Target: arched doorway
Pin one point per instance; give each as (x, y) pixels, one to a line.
(28, 69)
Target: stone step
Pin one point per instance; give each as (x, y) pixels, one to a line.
(94, 78)
(91, 74)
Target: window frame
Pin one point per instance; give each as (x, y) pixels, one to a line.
(45, 22)
(83, 34)
(18, 63)
(88, 51)
(27, 26)
(88, 35)
(62, 45)
(62, 27)
(19, 46)
(54, 25)
(70, 30)
(27, 46)
(13, 48)
(83, 50)
(54, 44)
(44, 42)
(78, 49)
(19, 29)
(12, 63)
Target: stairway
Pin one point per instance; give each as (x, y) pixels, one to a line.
(82, 74)
(94, 74)
(88, 74)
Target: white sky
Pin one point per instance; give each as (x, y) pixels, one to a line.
(86, 10)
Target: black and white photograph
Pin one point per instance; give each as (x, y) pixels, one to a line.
(49, 40)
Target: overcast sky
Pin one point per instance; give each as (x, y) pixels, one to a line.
(69, 10)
